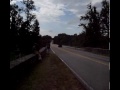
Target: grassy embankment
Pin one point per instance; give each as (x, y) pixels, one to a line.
(51, 74)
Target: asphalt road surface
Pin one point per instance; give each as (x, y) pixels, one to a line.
(93, 69)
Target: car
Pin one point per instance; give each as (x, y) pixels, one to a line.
(60, 45)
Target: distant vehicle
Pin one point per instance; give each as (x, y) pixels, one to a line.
(60, 45)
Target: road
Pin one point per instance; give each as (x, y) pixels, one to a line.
(93, 69)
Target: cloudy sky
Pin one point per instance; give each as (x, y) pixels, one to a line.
(60, 16)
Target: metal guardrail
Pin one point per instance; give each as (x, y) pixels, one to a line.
(23, 59)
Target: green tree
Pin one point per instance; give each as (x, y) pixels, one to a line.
(45, 40)
(36, 27)
(81, 39)
(15, 23)
(29, 4)
(92, 27)
(104, 15)
(23, 32)
(55, 40)
(35, 32)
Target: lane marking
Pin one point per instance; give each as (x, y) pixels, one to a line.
(94, 60)
(52, 50)
(109, 85)
(80, 79)
(109, 65)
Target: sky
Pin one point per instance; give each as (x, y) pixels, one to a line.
(61, 16)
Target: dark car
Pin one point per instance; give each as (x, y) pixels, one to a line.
(60, 45)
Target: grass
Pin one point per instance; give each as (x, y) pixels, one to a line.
(51, 74)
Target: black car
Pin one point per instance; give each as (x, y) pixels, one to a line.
(60, 45)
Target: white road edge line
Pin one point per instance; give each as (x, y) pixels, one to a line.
(109, 65)
(79, 78)
(109, 81)
(109, 85)
(52, 50)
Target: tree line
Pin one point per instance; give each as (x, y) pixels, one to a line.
(24, 29)
(95, 29)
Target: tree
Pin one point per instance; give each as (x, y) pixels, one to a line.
(15, 24)
(92, 28)
(45, 40)
(62, 39)
(35, 32)
(81, 39)
(55, 40)
(23, 33)
(36, 27)
(29, 7)
(104, 14)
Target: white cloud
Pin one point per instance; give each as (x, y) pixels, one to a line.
(74, 11)
(50, 11)
(47, 32)
(77, 7)
(15, 1)
(69, 28)
(96, 1)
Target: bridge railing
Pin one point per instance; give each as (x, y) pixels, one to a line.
(28, 58)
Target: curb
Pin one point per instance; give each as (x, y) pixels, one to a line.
(78, 77)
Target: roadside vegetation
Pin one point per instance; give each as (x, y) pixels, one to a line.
(51, 74)
(95, 29)
(24, 30)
